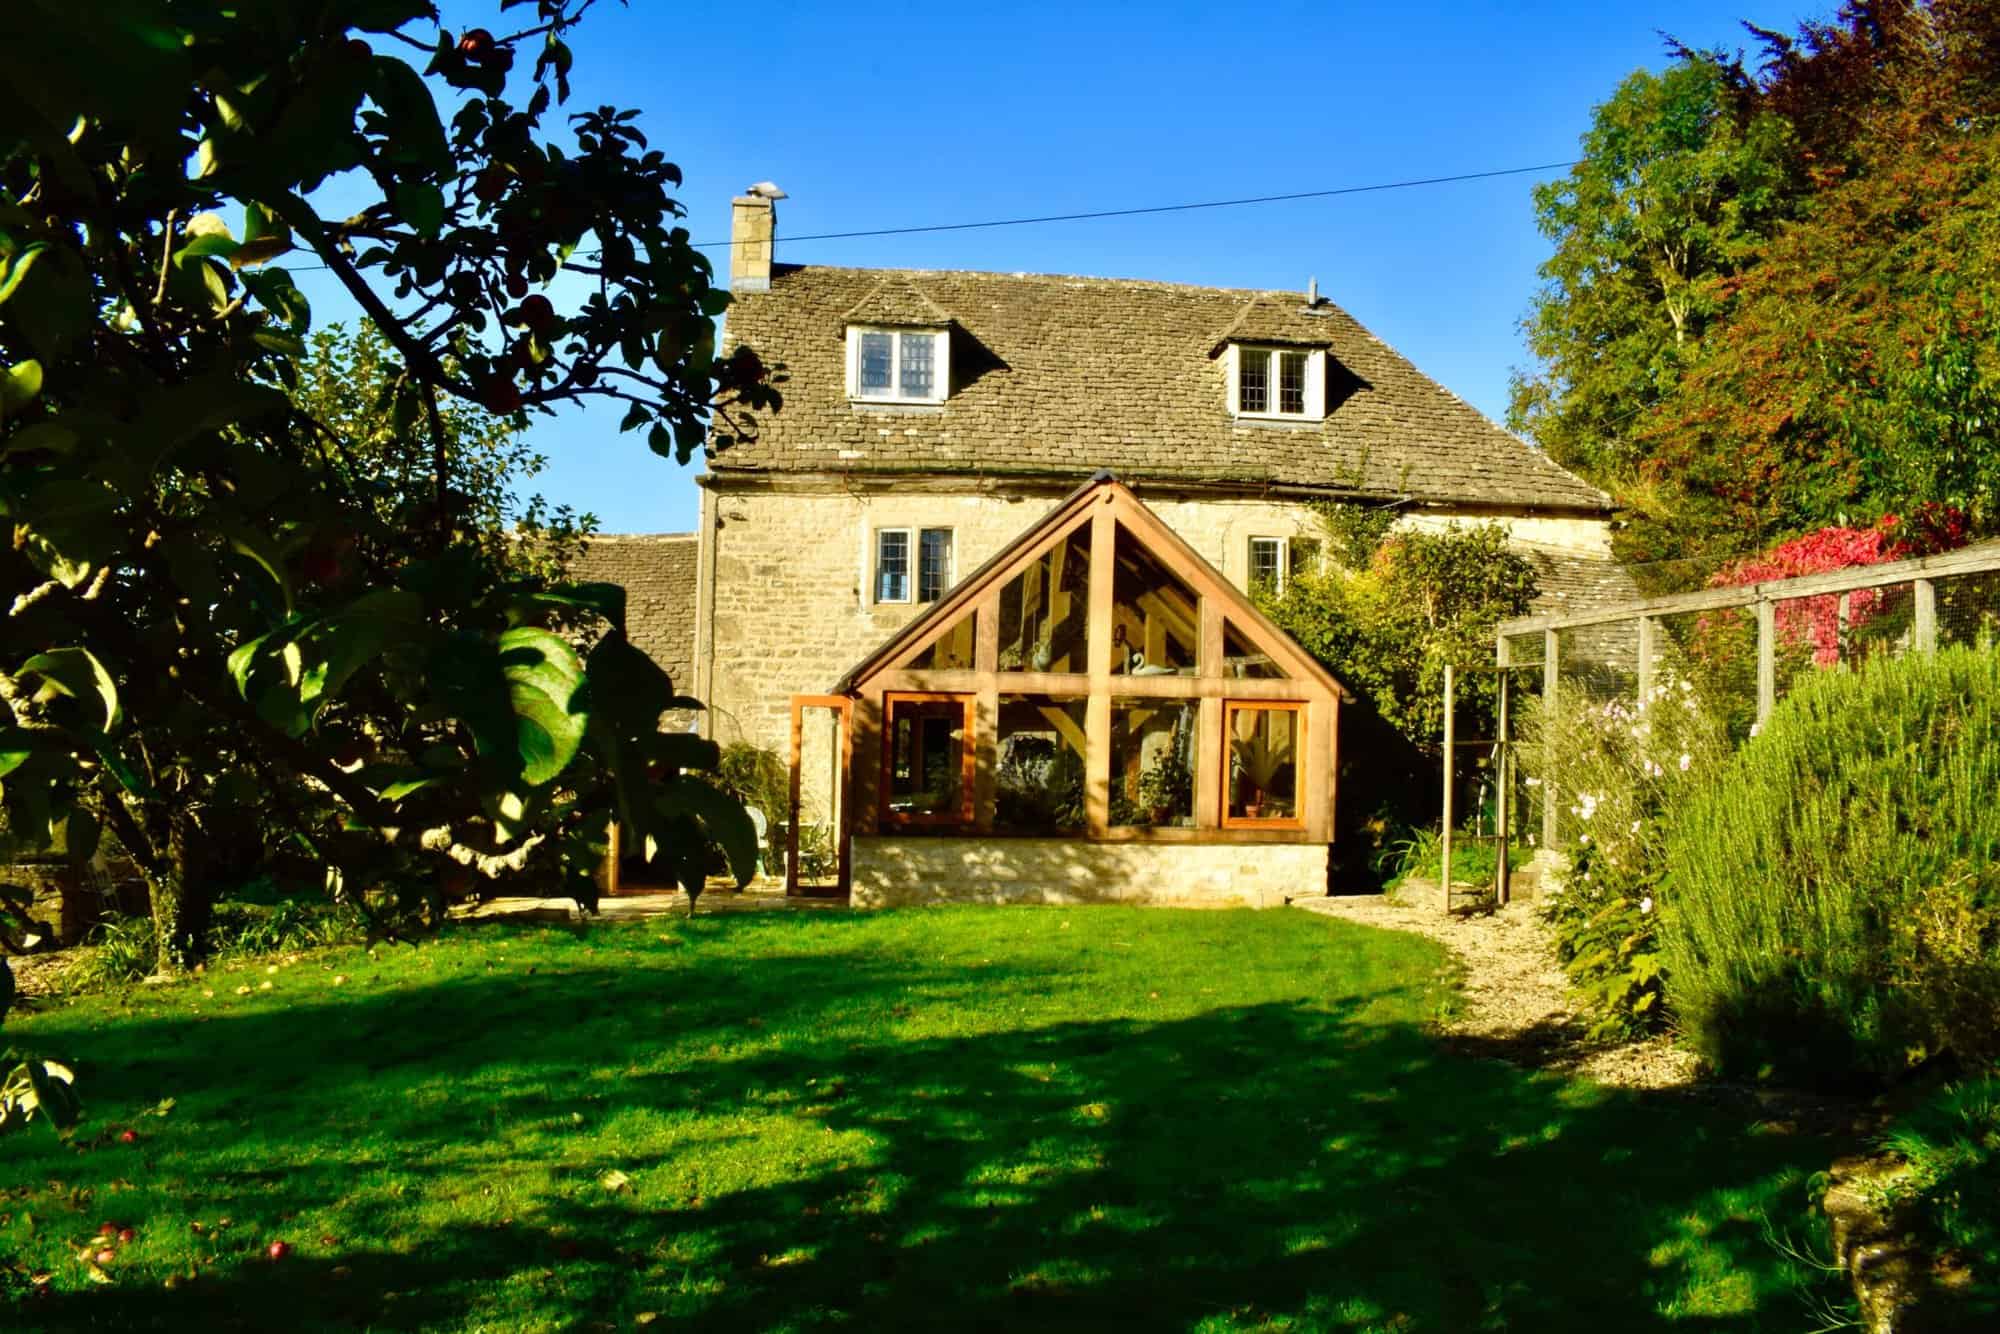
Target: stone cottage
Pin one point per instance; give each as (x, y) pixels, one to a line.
(930, 418)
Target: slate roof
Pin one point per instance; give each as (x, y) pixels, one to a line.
(1058, 377)
(657, 571)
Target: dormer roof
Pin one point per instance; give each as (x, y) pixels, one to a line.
(897, 302)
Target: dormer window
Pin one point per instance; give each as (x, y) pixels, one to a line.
(1277, 383)
(897, 365)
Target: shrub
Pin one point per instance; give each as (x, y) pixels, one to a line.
(1622, 777)
(1836, 897)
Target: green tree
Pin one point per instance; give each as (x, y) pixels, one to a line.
(345, 387)
(1678, 184)
(1423, 599)
(181, 662)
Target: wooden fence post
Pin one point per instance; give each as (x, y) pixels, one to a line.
(1551, 673)
(1767, 659)
(1450, 744)
(1503, 766)
(1645, 661)
(1926, 626)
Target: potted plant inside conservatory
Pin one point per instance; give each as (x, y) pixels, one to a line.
(1259, 758)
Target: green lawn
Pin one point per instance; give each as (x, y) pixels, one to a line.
(971, 1118)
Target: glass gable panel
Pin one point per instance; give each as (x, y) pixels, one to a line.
(1264, 754)
(1045, 610)
(952, 651)
(1253, 380)
(1152, 762)
(1155, 618)
(918, 364)
(1241, 658)
(875, 374)
(1039, 771)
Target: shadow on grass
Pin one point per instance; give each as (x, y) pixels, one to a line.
(1299, 1163)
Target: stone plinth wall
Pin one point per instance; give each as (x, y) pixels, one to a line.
(899, 872)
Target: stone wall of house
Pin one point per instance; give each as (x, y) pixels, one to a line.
(902, 872)
(792, 601)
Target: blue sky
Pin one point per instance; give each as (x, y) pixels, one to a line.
(887, 115)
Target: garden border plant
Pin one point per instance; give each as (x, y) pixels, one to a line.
(1836, 890)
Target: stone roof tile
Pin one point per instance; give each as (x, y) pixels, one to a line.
(1059, 376)
(657, 571)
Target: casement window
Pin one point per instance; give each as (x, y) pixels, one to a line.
(1277, 383)
(898, 365)
(912, 564)
(1266, 748)
(1275, 560)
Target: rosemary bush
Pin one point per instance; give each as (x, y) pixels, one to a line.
(1835, 911)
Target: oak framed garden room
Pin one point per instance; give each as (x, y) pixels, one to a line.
(1095, 714)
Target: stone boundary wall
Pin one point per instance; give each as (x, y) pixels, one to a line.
(904, 872)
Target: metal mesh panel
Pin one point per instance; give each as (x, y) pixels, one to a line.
(1600, 661)
(1968, 610)
(1716, 652)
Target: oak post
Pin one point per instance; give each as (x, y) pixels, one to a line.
(1450, 756)
(1767, 659)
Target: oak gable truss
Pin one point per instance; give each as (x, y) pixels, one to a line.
(1115, 648)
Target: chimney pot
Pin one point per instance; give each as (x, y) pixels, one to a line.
(753, 220)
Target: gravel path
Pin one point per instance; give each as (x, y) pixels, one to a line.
(1516, 1001)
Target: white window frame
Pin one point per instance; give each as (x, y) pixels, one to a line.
(913, 537)
(1315, 396)
(1288, 558)
(940, 365)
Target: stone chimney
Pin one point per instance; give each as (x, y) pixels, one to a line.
(752, 219)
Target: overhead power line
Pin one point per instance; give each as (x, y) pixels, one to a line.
(1134, 212)
(1160, 208)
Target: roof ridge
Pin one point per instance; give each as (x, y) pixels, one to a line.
(1275, 293)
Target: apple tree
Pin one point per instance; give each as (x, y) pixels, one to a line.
(220, 646)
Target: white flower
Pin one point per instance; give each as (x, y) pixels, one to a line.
(1646, 904)
(1635, 826)
(1534, 782)
(1583, 838)
(1686, 760)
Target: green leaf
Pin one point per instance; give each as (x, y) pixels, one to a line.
(606, 600)
(77, 673)
(543, 676)
(20, 386)
(416, 134)
(344, 643)
(14, 270)
(54, 437)
(178, 414)
(15, 748)
(422, 205)
(262, 551)
(277, 293)
(722, 818)
(213, 245)
(625, 690)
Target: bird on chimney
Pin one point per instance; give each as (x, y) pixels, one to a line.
(766, 190)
